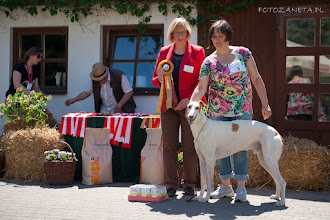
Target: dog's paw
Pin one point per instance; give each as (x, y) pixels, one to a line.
(280, 202)
(274, 197)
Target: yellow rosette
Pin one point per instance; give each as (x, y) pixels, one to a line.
(167, 96)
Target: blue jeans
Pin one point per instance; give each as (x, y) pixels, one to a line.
(240, 158)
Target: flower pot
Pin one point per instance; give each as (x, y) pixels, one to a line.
(60, 172)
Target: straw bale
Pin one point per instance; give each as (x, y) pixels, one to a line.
(24, 152)
(304, 165)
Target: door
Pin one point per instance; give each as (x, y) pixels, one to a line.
(302, 78)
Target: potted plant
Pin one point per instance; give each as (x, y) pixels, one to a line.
(27, 108)
(60, 165)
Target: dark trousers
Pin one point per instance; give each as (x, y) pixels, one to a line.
(171, 121)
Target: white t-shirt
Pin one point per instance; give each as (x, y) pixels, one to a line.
(108, 99)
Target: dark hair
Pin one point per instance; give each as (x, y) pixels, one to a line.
(221, 26)
(296, 71)
(31, 51)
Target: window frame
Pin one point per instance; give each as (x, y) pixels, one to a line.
(42, 31)
(109, 33)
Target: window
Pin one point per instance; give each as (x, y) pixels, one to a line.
(325, 31)
(133, 53)
(54, 43)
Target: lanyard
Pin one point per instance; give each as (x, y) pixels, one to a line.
(30, 76)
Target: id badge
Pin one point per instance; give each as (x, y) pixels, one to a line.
(237, 67)
(189, 69)
(29, 86)
(243, 67)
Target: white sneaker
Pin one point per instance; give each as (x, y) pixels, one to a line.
(222, 191)
(241, 194)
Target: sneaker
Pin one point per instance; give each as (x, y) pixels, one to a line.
(189, 191)
(240, 194)
(171, 192)
(222, 191)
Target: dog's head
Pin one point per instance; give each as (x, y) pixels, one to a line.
(194, 109)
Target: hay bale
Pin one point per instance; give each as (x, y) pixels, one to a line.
(304, 165)
(24, 153)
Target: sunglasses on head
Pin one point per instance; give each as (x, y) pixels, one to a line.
(39, 56)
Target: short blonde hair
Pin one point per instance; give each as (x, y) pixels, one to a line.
(178, 22)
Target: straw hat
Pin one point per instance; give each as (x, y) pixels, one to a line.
(99, 71)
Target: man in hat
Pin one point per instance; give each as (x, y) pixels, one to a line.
(112, 91)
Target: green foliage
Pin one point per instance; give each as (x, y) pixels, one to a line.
(28, 107)
(162, 7)
(33, 10)
(57, 155)
(75, 9)
(180, 158)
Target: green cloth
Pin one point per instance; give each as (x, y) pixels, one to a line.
(76, 144)
(125, 162)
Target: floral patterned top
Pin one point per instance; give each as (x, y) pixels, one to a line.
(230, 90)
(299, 103)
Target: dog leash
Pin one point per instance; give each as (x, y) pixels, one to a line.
(190, 199)
(200, 131)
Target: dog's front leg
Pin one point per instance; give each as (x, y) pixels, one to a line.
(206, 179)
(209, 178)
(202, 165)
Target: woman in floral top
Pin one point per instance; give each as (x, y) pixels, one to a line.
(228, 73)
(299, 104)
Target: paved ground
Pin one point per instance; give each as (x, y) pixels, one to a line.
(41, 201)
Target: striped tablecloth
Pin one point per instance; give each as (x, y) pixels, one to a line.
(151, 121)
(120, 125)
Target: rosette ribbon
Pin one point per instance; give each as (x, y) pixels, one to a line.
(167, 96)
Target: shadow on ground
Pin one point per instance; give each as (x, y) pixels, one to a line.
(46, 185)
(321, 196)
(222, 209)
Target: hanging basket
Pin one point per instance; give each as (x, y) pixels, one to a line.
(61, 172)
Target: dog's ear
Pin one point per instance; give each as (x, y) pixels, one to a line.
(202, 104)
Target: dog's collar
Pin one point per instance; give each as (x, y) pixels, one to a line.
(200, 131)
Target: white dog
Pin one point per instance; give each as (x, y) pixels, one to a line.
(219, 139)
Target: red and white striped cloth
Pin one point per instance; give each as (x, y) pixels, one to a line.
(75, 124)
(151, 121)
(120, 125)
